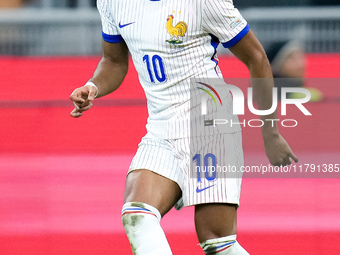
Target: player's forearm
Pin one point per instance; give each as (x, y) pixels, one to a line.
(109, 75)
(263, 83)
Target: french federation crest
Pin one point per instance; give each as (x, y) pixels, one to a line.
(176, 31)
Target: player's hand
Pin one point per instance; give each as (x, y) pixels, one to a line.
(278, 151)
(82, 99)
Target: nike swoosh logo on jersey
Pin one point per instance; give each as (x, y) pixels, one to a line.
(124, 25)
(198, 190)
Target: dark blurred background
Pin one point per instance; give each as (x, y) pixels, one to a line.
(29, 27)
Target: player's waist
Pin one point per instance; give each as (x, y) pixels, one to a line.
(191, 127)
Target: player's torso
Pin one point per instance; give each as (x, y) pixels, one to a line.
(165, 38)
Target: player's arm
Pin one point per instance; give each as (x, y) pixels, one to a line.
(107, 77)
(250, 51)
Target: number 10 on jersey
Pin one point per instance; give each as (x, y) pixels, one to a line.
(208, 167)
(155, 68)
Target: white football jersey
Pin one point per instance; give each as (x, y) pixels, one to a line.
(170, 43)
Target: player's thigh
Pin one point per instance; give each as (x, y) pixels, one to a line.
(153, 189)
(215, 220)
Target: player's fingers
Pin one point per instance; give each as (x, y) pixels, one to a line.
(92, 93)
(76, 113)
(83, 106)
(77, 105)
(287, 161)
(278, 162)
(76, 96)
(77, 99)
(294, 157)
(86, 107)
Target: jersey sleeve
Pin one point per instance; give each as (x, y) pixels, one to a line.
(110, 31)
(224, 21)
